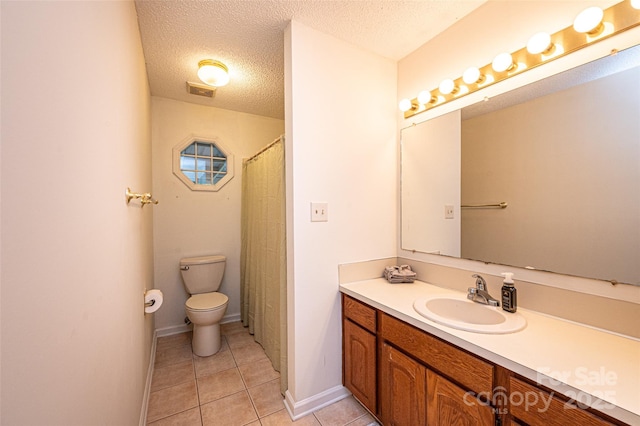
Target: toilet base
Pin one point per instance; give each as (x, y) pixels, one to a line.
(206, 339)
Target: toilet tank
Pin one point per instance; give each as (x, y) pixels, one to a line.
(202, 274)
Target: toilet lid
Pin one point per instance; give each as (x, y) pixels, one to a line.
(206, 301)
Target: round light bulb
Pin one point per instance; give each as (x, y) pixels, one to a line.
(539, 43)
(405, 105)
(635, 4)
(502, 62)
(588, 21)
(425, 97)
(213, 73)
(446, 86)
(471, 75)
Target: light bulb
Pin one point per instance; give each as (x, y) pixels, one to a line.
(588, 21)
(447, 86)
(425, 97)
(472, 75)
(539, 43)
(635, 4)
(405, 105)
(213, 73)
(502, 62)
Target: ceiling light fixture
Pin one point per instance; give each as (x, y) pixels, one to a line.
(589, 21)
(213, 73)
(635, 4)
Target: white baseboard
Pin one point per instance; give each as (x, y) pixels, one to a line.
(299, 409)
(173, 329)
(230, 318)
(147, 387)
(183, 328)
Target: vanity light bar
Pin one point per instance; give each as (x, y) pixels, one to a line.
(616, 19)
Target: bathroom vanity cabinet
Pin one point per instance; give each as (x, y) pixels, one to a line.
(406, 376)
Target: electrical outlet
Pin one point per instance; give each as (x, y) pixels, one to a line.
(319, 212)
(448, 211)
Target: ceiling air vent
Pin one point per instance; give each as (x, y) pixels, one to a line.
(201, 90)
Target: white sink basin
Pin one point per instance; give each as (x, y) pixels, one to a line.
(463, 314)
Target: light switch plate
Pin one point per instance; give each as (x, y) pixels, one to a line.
(448, 211)
(319, 212)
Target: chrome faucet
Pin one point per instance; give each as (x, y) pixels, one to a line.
(479, 293)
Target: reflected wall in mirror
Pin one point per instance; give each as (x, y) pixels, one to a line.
(564, 156)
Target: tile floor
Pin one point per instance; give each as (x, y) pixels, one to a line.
(236, 386)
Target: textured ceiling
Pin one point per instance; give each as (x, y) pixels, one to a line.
(248, 36)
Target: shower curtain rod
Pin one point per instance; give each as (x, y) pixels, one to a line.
(279, 138)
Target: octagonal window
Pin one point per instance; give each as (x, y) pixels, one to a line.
(202, 164)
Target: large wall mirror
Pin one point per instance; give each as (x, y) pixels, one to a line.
(563, 155)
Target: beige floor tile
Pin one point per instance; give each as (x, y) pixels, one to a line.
(219, 385)
(233, 328)
(257, 373)
(340, 413)
(366, 420)
(173, 400)
(220, 361)
(233, 410)
(173, 355)
(248, 353)
(237, 340)
(172, 375)
(186, 418)
(267, 398)
(282, 418)
(179, 339)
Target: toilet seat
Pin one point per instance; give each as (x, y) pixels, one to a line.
(206, 301)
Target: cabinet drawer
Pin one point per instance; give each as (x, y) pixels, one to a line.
(538, 407)
(359, 313)
(466, 369)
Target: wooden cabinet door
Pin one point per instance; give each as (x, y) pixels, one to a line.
(360, 364)
(450, 405)
(402, 389)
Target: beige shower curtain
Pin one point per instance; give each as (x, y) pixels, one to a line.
(263, 278)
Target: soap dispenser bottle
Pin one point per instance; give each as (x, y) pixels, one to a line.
(509, 293)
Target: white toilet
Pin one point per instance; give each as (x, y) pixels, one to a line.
(206, 307)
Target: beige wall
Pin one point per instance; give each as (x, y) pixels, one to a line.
(75, 258)
(567, 166)
(341, 149)
(195, 223)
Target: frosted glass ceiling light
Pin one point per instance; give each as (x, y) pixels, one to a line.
(447, 86)
(540, 43)
(213, 73)
(635, 4)
(589, 21)
(503, 62)
(472, 75)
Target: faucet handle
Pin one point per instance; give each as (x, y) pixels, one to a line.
(481, 284)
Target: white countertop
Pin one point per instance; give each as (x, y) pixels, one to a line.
(594, 367)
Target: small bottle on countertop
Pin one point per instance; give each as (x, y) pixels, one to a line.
(509, 293)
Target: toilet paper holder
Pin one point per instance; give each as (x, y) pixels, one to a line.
(152, 301)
